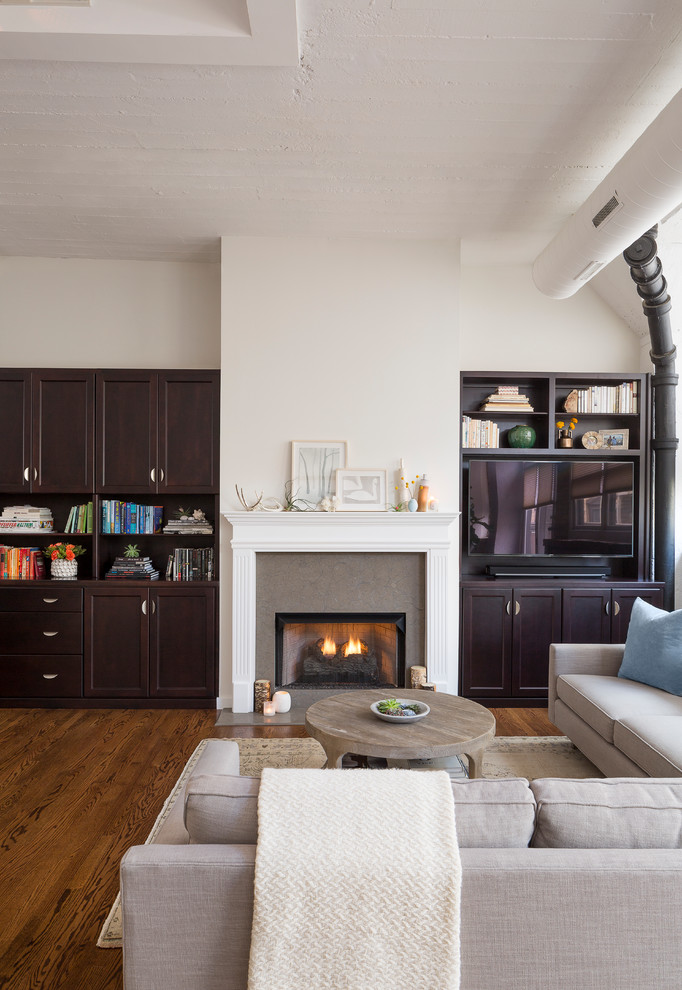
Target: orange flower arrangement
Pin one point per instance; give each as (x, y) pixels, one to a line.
(63, 551)
(571, 426)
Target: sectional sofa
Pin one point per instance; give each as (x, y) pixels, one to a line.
(567, 885)
(626, 728)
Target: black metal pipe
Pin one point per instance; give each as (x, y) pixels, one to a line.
(647, 272)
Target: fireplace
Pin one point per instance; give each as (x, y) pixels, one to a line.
(274, 570)
(322, 650)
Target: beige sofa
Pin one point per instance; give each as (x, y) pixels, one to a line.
(625, 728)
(567, 885)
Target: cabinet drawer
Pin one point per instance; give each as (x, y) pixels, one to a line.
(57, 599)
(41, 677)
(36, 632)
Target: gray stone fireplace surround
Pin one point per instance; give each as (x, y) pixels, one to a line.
(338, 583)
(342, 561)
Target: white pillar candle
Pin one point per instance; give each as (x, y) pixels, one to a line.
(268, 707)
(282, 700)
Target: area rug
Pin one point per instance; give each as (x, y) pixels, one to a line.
(509, 756)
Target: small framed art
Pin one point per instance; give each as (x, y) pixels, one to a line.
(361, 490)
(615, 439)
(314, 464)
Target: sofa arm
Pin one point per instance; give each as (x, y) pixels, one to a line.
(187, 914)
(581, 658)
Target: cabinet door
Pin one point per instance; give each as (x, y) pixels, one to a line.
(116, 643)
(486, 642)
(189, 412)
(621, 608)
(182, 642)
(63, 431)
(537, 623)
(127, 432)
(15, 432)
(586, 616)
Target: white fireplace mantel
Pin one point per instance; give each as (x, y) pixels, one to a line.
(430, 533)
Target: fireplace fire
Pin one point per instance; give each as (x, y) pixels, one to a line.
(326, 650)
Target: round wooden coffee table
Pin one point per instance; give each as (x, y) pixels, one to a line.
(343, 723)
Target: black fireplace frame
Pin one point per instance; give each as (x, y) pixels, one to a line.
(398, 619)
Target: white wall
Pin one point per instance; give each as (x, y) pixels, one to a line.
(336, 340)
(508, 325)
(339, 340)
(58, 313)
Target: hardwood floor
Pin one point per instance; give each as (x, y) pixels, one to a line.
(78, 788)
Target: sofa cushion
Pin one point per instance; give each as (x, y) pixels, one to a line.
(653, 648)
(489, 813)
(600, 700)
(653, 742)
(494, 814)
(218, 756)
(618, 813)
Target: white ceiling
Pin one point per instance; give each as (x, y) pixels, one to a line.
(487, 120)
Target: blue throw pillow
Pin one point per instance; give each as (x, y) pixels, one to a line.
(653, 648)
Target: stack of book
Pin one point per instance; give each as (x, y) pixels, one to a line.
(129, 517)
(80, 519)
(26, 518)
(133, 569)
(188, 527)
(507, 398)
(21, 564)
(190, 564)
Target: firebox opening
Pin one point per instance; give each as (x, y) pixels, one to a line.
(328, 650)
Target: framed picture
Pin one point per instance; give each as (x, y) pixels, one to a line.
(361, 490)
(314, 464)
(615, 439)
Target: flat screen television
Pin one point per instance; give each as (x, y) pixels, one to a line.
(551, 508)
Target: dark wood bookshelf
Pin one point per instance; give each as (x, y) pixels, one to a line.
(147, 436)
(507, 623)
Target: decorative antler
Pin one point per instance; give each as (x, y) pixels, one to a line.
(242, 499)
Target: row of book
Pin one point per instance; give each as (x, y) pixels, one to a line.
(479, 433)
(26, 518)
(190, 564)
(80, 519)
(129, 517)
(21, 564)
(607, 398)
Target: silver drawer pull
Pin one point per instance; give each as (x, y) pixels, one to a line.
(25, 474)
(50, 601)
(50, 677)
(50, 633)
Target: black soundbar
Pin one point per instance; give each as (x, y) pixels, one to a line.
(499, 570)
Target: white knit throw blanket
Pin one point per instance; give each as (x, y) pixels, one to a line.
(357, 883)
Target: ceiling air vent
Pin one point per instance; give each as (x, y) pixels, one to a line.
(588, 271)
(606, 210)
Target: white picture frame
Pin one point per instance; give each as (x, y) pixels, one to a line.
(361, 490)
(314, 464)
(615, 439)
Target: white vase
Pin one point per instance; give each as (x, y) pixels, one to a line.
(62, 568)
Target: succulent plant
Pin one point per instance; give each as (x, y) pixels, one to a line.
(131, 550)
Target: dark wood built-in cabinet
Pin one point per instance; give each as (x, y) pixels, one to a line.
(78, 436)
(157, 432)
(46, 440)
(155, 642)
(514, 607)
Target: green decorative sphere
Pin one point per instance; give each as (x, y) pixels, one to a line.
(521, 436)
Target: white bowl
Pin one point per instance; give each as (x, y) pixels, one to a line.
(402, 719)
